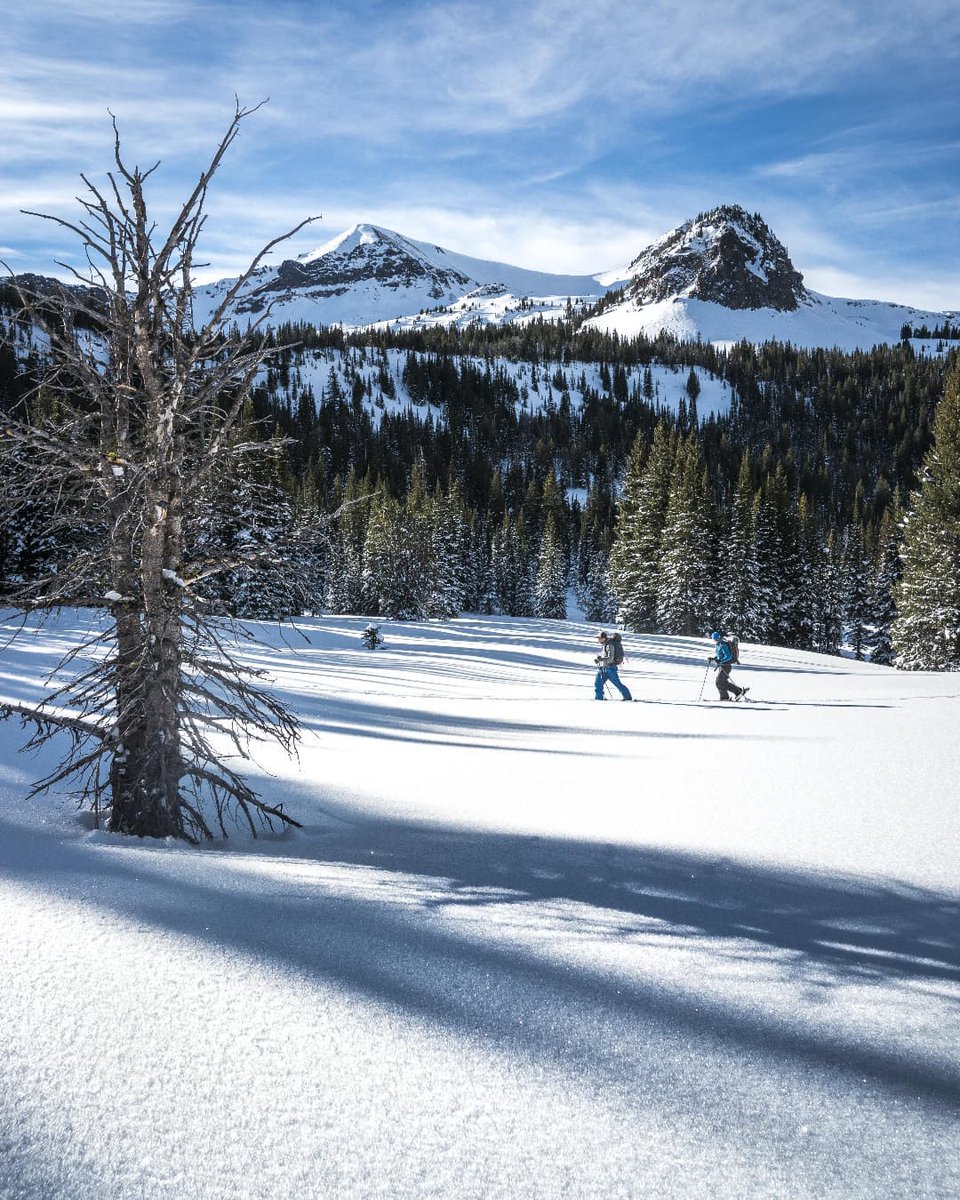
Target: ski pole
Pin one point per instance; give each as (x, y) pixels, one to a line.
(704, 684)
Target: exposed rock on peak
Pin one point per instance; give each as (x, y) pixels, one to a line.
(725, 256)
(363, 254)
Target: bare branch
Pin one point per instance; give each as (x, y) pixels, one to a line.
(110, 450)
(44, 718)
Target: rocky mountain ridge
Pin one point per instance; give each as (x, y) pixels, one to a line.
(721, 277)
(726, 256)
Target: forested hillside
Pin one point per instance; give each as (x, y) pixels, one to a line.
(677, 485)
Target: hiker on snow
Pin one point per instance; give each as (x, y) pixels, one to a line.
(725, 656)
(609, 658)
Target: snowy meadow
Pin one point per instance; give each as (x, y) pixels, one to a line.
(525, 945)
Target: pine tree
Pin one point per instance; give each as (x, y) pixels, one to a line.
(446, 584)
(345, 579)
(767, 597)
(635, 559)
(857, 573)
(926, 633)
(806, 606)
(829, 592)
(244, 523)
(594, 593)
(787, 617)
(511, 565)
(308, 561)
(395, 557)
(883, 609)
(684, 591)
(739, 580)
(550, 590)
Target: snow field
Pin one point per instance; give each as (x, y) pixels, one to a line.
(525, 945)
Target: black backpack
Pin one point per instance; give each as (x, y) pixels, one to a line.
(617, 649)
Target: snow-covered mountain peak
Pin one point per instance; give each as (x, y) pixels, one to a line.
(726, 256)
(722, 277)
(368, 274)
(356, 238)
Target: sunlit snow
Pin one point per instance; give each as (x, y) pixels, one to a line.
(524, 946)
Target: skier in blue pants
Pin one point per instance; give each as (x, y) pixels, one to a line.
(607, 668)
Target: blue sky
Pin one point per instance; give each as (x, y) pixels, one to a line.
(563, 135)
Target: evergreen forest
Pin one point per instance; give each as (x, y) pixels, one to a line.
(420, 474)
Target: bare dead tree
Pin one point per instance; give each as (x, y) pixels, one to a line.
(137, 406)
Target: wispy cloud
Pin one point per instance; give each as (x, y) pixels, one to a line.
(553, 134)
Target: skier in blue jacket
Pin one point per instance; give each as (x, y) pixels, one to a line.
(723, 657)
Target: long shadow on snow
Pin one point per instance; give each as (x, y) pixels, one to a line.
(405, 724)
(522, 1002)
(849, 926)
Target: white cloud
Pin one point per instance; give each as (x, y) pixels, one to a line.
(483, 128)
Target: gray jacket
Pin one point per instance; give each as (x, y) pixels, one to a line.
(605, 657)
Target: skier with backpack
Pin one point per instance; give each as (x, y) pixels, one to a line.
(726, 654)
(608, 660)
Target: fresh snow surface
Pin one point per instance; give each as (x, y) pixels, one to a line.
(523, 947)
(819, 321)
(521, 280)
(426, 294)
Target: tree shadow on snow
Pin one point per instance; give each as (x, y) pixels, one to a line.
(471, 978)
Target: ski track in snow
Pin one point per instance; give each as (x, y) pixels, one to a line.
(526, 945)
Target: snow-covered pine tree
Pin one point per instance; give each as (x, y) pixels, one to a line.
(393, 561)
(766, 553)
(594, 594)
(550, 588)
(829, 593)
(856, 583)
(926, 633)
(512, 566)
(445, 585)
(739, 575)
(687, 558)
(592, 561)
(241, 531)
(308, 557)
(886, 575)
(345, 578)
(635, 558)
(809, 555)
(501, 568)
(787, 619)
(478, 594)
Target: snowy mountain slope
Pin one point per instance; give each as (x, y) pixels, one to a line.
(333, 371)
(524, 947)
(817, 321)
(368, 274)
(724, 277)
(721, 277)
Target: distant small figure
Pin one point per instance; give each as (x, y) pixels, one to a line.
(726, 654)
(371, 637)
(608, 660)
